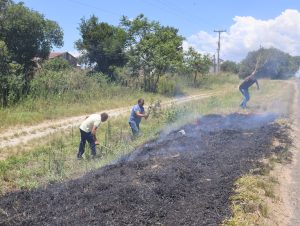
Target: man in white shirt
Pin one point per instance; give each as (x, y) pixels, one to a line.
(88, 129)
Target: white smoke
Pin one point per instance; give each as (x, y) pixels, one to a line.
(298, 73)
(248, 33)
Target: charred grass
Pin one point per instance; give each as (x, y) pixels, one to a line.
(171, 180)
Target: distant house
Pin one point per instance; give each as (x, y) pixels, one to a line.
(66, 56)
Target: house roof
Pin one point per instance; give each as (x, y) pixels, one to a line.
(55, 54)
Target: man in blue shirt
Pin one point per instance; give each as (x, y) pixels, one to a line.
(136, 115)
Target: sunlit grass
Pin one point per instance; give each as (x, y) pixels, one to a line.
(32, 112)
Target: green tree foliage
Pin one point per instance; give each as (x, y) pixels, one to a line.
(197, 63)
(152, 49)
(271, 63)
(102, 45)
(25, 34)
(28, 34)
(4, 4)
(230, 66)
(11, 82)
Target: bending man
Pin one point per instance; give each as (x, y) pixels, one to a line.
(88, 129)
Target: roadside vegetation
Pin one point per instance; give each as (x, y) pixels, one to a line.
(138, 58)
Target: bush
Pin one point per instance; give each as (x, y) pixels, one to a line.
(73, 82)
(99, 77)
(174, 113)
(167, 86)
(56, 64)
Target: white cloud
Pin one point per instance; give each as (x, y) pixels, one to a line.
(247, 34)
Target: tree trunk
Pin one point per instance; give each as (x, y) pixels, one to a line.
(195, 78)
(156, 82)
(4, 98)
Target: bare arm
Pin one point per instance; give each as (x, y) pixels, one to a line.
(142, 115)
(94, 131)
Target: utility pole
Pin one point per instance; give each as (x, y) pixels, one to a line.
(219, 47)
(214, 62)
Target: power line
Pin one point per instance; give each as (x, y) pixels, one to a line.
(219, 48)
(166, 8)
(94, 7)
(184, 12)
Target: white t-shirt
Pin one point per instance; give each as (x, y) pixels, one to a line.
(88, 124)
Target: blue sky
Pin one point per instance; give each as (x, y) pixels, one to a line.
(249, 24)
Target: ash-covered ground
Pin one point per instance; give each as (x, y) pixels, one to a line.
(174, 180)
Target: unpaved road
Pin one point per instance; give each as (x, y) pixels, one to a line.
(290, 183)
(24, 134)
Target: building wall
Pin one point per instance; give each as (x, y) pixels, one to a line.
(67, 56)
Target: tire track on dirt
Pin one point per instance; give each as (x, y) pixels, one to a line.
(23, 135)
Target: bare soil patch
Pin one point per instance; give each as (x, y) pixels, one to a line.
(174, 180)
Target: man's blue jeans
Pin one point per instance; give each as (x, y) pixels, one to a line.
(246, 95)
(135, 128)
(84, 136)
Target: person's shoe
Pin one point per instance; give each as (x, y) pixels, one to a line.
(79, 157)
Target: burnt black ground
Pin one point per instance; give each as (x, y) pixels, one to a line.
(175, 180)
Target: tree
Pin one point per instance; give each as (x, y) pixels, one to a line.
(197, 63)
(230, 66)
(152, 49)
(4, 4)
(102, 45)
(271, 62)
(11, 82)
(27, 34)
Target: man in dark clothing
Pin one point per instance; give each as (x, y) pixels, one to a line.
(249, 81)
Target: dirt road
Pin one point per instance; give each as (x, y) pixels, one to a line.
(290, 183)
(24, 134)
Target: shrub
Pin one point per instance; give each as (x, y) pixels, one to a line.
(56, 64)
(167, 86)
(57, 83)
(174, 113)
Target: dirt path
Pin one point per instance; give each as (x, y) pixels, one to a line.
(24, 134)
(290, 182)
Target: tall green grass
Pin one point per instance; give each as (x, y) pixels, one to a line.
(68, 93)
(74, 92)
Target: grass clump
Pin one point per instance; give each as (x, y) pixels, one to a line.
(248, 205)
